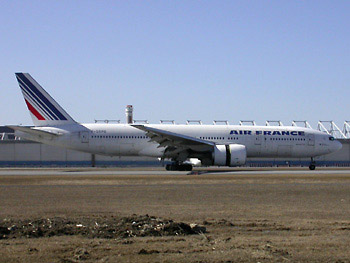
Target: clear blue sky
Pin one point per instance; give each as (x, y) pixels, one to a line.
(231, 60)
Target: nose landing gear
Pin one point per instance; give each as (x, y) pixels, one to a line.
(312, 165)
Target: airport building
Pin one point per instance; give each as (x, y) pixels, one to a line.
(17, 152)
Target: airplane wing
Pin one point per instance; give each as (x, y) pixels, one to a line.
(36, 132)
(175, 143)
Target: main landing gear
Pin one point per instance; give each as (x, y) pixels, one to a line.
(312, 165)
(178, 167)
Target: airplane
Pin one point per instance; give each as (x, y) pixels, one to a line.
(211, 145)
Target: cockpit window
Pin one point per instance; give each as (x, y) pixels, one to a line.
(331, 138)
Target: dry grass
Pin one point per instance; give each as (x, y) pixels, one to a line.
(249, 218)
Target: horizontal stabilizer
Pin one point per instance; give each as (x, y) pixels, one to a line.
(35, 132)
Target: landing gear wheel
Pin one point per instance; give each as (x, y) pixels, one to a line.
(178, 167)
(312, 164)
(312, 167)
(187, 167)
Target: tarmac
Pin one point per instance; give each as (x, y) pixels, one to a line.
(161, 171)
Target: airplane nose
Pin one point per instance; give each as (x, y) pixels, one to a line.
(338, 145)
(334, 146)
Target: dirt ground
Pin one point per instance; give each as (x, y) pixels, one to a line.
(272, 216)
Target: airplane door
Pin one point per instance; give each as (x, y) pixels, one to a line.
(256, 147)
(257, 140)
(84, 137)
(311, 139)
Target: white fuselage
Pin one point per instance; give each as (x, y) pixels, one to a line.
(222, 145)
(125, 140)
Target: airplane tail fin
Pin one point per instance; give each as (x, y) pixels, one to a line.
(44, 110)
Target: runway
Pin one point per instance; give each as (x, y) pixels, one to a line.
(162, 171)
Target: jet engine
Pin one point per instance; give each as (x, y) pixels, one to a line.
(229, 155)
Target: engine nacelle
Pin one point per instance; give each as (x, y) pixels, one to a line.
(229, 155)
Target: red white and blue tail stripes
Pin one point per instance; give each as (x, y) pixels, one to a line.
(41, 105)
